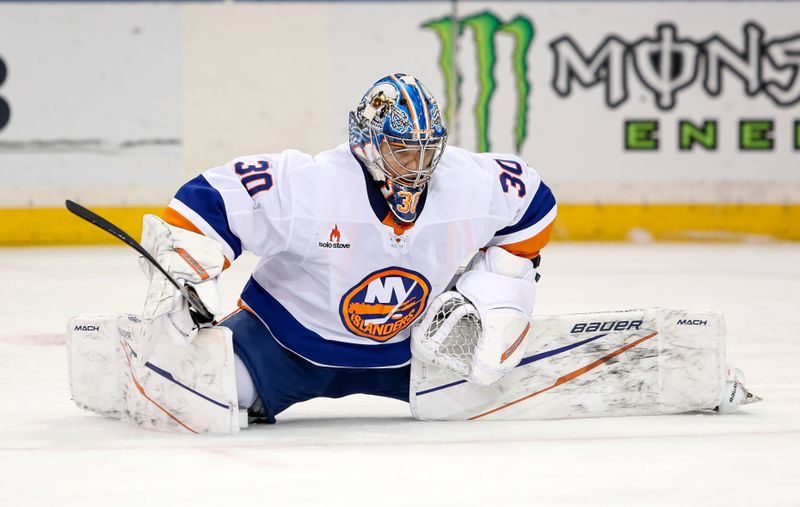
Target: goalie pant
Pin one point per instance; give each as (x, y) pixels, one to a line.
(282, 378)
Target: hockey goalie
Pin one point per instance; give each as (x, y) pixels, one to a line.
(361, 288)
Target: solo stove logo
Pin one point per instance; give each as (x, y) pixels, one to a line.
(334, 239)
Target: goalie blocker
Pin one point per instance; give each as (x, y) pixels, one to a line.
(627, 363)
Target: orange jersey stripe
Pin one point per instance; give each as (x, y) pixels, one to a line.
(240, 306)
(223, 319)
(174, 218)
(530, 247)
(240, 303)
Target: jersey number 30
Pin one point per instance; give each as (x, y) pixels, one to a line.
(255, 178)
(508, 178)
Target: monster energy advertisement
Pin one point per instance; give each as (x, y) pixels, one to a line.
(665, 64)
(597, 90)
(484, 26)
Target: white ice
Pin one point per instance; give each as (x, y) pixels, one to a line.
(361, 450)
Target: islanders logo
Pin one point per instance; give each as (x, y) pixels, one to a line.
(384, 303)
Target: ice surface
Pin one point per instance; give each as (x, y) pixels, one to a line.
(361, 450)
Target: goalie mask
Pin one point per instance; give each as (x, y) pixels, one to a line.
(396, 132)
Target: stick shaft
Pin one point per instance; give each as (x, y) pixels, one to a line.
(200, 313)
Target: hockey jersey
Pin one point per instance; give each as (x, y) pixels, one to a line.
(339, 283)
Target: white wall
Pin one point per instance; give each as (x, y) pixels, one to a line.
(202, 83)
(94, 93)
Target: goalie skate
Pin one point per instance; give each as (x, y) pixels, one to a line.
(735, 393)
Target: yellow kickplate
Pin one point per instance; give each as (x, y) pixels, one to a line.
(57, 226)
(678, 222)
(606, 222)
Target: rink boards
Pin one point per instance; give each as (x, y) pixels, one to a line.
(648, 120)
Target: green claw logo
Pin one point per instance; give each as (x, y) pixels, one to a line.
(485, 26)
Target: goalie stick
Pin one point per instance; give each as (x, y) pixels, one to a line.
(199, 312)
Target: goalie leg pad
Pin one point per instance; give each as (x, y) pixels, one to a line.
(638, 362)
(94, 363)
(189, 388)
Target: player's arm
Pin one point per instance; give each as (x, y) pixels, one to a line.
(241, 205)
(530, 209)
(489, 316)
(209, 222)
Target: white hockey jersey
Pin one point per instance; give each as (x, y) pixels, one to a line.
(338, 283)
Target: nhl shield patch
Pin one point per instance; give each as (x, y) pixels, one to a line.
(384, 303)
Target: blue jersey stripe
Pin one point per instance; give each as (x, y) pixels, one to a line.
(308, 344)
(207, 202)
(541, 204)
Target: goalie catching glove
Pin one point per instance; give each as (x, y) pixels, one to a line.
(191, 259)
(478, 332)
